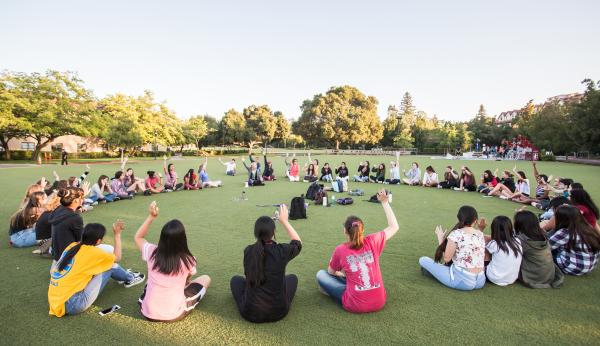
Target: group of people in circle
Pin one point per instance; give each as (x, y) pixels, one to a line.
(535, 250)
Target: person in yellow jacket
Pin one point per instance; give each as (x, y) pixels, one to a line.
(83, 271)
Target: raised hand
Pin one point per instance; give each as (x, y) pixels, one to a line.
(118, 227)
(87, 167)
(165, 158)
(439, 233)
(85, 186)
(482, 224)
(43, 182)
(153, 209)
(283, 213)
(382, 196)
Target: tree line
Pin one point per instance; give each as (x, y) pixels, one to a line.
(48, 105)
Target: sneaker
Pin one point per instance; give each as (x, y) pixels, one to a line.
(137, 279)
(86, 208)
(503, 197)
(457, 189)
(95, 203)
(130, 271)
(168, 190)
(486, 196)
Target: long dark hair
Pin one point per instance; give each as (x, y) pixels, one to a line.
(102, 177)
(558, 201)
(503, 234)
(580, 196)
(354, 226)
(169, 170)
(466, 216)
(69, 195)
(26, 217)
(570, 218)
(92, 232)
(522, 176)
(527, 223)
(190, 175)
(132, 173)
(172, 251)
(264, 230)
(489, 179)
(118, 174)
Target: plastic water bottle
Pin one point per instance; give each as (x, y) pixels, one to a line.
(324, 201)
(333, 200)
(244, 197)
(390, 197)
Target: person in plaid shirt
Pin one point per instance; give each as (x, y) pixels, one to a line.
(575, 244)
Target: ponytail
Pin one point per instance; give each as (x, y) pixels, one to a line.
(355, 228)
(92, 232)
(264, 230)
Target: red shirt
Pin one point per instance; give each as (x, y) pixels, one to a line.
(588, 215)
(151, 182)
(364, 285)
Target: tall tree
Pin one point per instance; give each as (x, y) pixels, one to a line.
(195, 129)
(283, 127)
(261, 125)
(12, 125)
(233, 127)
(584, 120)
(343, 115)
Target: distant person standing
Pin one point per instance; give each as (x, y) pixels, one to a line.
(64, 158)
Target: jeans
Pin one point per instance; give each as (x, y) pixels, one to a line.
(24, 238)
(83, 299)
(328, 178)
(334, 286)
(361, 179)
(453, 276)
(393, 181)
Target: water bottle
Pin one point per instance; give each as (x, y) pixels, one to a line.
(324, 201)
(333, 200)
(390, 197)
(244, 197)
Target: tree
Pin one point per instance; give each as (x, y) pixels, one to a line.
(213, 132)
(482, 127)
(584, 119)
(390, 126)
(124, 133)
(343, 115)
(11, 124)
(283, 127)
(549, 128)
(53, 104)
(524, 116)
(233, 127)
(261, 125)
(195, 129)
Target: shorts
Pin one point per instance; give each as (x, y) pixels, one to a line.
(194, 292)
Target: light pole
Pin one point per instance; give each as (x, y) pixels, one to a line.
(155, 145)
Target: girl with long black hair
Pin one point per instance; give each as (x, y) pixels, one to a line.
(461, 251)
(170, 293)
(583, 201)
(190, 180)
(21, 228)
(575, 244)
(506, 252)
(83, 271)
(266, 293)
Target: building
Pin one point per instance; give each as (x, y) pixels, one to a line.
(508, 117)
(70, 143)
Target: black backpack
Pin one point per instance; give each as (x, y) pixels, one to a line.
(297, 208)
(312, 191)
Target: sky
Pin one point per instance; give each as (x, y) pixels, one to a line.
(205, 57)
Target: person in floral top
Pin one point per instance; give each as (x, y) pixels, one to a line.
(461, 251)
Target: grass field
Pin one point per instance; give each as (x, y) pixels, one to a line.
(419, 310)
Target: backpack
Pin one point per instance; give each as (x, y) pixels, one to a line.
(297, 208)
(374, 199)
(312, 191)
(319, 197)
(345, 201)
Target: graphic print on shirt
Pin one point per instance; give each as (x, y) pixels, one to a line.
(360, 263)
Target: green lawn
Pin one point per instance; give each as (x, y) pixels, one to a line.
(419, 310)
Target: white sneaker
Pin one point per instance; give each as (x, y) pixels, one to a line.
(503, 197)
(457, 189)
(137, 279)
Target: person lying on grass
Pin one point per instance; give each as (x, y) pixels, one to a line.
(84, 269)
(170, 293)
(353, 278)
(266, 293)
(461, 251)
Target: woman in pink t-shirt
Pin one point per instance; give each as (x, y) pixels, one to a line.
(170, 293)
(353, 277)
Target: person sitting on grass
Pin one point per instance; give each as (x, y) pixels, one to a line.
(254, 177)
(584, 202)
(538, 269)
(118, 187)
(130, 181)
(266, 293)
(43, 228)
(170, 293)
(83, 270)
(21, 229)
(467, 180)
(394, 173)
(40, 186)
(430, 177)
(488, 181)
(326, 173)
(101, 191)
(154, 182)
(342, 172)
(353, 278)
(522, 191)
(311, 174)
(505, 187)
(450, 178)
(363, 172)
(379, 176)
(293, 169)
(230, 167)
(171, 181)
(413, 176)
(506, 252)
(269, 172)
(461, 251)
(66, 223)
(575, 244)
(190, 180)
(204, 179)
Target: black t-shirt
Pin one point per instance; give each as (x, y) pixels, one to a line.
(268, 302)
(43, 229)
(67, 227)
(342, 172)
(510, 183)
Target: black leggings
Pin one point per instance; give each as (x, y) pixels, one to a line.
(238, 287)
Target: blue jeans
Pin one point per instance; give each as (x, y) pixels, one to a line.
(83, 299)
(333, 285)
(453, 276)
(24, 238)
(361, 179)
